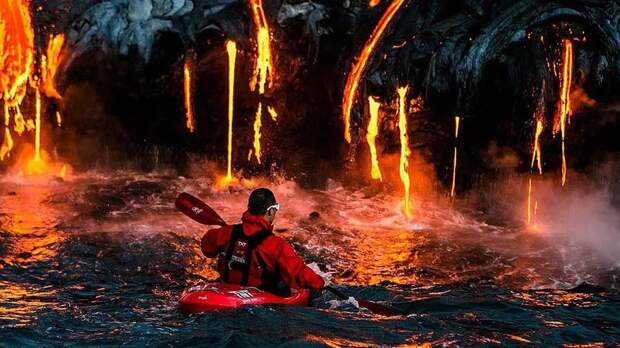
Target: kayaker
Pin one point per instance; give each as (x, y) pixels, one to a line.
(250, 254)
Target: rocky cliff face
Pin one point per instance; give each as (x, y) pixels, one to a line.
(489, 61)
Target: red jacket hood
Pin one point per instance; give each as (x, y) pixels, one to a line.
(253, 224)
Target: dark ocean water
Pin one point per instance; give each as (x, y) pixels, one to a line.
(101, 261)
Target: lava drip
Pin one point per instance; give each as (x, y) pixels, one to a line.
(257, 126)
(457, 122)
(16, 60)
(371, 137)
(537, 153)
(359, 67)
(190, 121)
(404, 147)
(50, 63)
(536, 160)
(263, 74)
(263, 69)
(565, 103)
(231, 49)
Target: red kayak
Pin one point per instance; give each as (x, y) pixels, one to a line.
(222, 296)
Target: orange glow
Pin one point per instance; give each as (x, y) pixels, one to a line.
(37, 140)
(537, 153)
(187, 86)
(20, 124)
(359, 67)
(257, 126)
(16, 50)
(50, 64)
(529, 201)
(7, 144)
(273, 113)
(58, 119)
(404, 147)
(536, 158)
(457, 122)
(564, 103)
(263, 70)
(371, 136)
(373, 3)
(63, 171)
(231, 49)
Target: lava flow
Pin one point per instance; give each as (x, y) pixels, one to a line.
(536, 160)
(187, 86)
(50, 63)
(404, 147)
(457, 122)
(359, 67)
(537, 153)
(231, 49)
(257, 126)
(564, 103)
(263, 68)
(16, 60)
(371, 137)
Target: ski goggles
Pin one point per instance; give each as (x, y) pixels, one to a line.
(275, 206)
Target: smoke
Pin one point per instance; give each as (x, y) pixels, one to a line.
(584, 218)
(501, 157)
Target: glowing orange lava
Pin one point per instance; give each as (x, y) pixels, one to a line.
(16, 60)
(404, 146)
(263, 70)
(359, 67)
(536, 158)
(7, 144)
(231, 49)
(537, 153)
(565, 103)
(50, 63)
(371, 136)
(58, 119)
(273, 113)
(373, 3)
(16, 50)
(37, 140)
(187, 87)
(457, 122)
(257, 126)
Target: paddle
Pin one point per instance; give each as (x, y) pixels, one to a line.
(198, 210)
(202, 213)
(374, 307)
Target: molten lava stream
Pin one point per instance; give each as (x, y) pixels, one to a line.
(263, 69)
(404, 147)
(371, 136)
(537, 153)
(187, 87)
(359, 67)
(565, 103)
(457, 122)
(536, 159)
(231, 49)
(257, 126)
(16, 60)
(50, 64)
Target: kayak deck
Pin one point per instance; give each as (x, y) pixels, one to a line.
(222, 296)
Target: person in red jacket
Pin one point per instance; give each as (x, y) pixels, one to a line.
(250, 254)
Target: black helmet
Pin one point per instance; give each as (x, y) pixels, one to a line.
(260, 201)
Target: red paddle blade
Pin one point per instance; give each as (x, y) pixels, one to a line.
(198, 210)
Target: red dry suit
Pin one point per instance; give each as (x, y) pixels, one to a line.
(249, 254)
